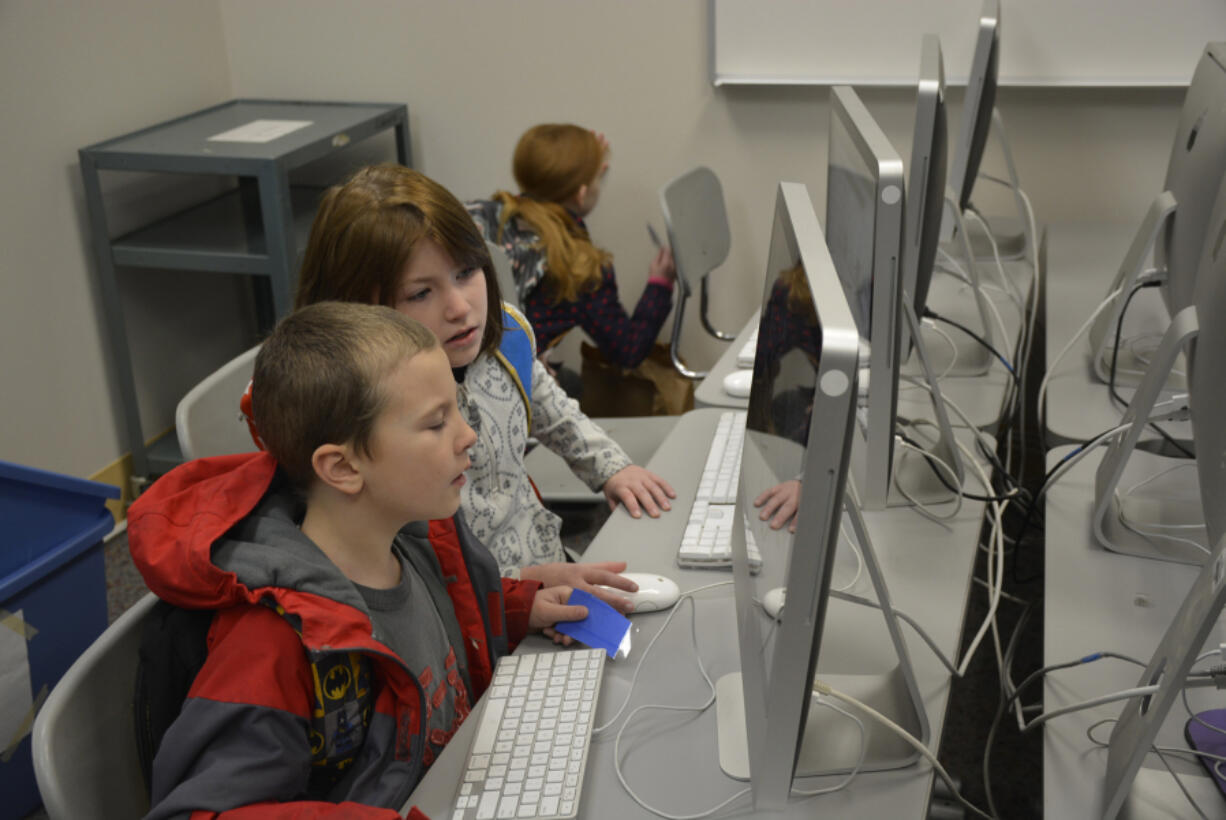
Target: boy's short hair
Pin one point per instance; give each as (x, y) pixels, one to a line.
(318, 379)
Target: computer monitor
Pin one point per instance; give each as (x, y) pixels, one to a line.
(798, 428)
(864, 232)
(925, 182)
(1196, 167)
(1141, 719)
(978, 106)
(864, 220)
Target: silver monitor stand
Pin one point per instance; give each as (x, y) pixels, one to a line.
(831, 743)
(1131, 525)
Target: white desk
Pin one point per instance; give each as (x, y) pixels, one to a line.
(1098, 600)
(672, 762)
(639, 436)
(710, 391)
(1082, 260)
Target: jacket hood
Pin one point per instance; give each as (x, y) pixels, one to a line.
(223, 531)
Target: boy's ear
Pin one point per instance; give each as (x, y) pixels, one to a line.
(334, 466)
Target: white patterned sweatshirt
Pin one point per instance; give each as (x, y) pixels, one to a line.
(499, 502)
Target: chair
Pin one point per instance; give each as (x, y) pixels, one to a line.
(207, 420)
(697, 223)
(84, 738)
(502, 269)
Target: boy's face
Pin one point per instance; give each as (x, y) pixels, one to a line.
(445, 297)
(419, 446)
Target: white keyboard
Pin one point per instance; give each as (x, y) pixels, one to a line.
(530, 750)
(707, 541)
(748, 351)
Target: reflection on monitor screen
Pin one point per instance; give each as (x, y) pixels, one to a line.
(925, 181)
(864, 225)
(798, 431)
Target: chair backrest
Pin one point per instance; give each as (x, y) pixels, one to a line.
(84, 738)
(207, 420)
(506, 279)
(693, 206)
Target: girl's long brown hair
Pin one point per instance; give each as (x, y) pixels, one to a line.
(551, 164)
(367, 227)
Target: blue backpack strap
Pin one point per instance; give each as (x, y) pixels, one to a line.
(516, 353)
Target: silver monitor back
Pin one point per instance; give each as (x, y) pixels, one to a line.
(1141, 719)
(1196, 167)
(864, 221)
(978, 105)
(805, 370)
(925, 181)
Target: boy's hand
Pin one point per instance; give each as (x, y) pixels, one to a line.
(549, 607)
(635, 486)
(780, 501)
(585, 577)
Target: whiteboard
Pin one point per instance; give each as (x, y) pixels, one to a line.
(1043, 42)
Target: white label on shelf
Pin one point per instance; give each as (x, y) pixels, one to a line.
(16, 695)
(260, 131)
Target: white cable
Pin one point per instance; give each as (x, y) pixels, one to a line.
(919, 506)
(1078, 455)
(823, 688)
(998, 564)
(859, 560)
(1112, 697)
(1005, 281)
(1135, 527)
(859, 762)
(617, 756)
(634, 678)
(1056, 362)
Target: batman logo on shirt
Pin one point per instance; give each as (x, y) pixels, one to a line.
(336, 684)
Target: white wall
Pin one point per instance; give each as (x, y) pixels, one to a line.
(474, 74)
(76, 73)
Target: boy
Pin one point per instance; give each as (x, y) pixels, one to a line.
(347, 647)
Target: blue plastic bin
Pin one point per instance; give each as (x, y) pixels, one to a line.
(52, 572)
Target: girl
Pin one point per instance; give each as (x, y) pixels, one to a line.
(562, 278)
(390, 235)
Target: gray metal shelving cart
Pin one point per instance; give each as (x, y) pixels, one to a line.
(256, 228)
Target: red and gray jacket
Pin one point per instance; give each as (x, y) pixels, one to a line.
(300, 710)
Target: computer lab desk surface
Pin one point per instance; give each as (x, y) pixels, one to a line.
(1098, 600)
(1082, 260)
(671, 759)
(980, 397)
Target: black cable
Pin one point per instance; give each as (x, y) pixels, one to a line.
(930, 314)
(1115, 354)
(936, 469)
(1041, 491)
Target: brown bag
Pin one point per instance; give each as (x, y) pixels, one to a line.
(654, 388)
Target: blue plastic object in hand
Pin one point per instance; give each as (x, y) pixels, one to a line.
(603, 628)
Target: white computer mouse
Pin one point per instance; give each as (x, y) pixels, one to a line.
(737, 383)
(772, 602)
(655, 592)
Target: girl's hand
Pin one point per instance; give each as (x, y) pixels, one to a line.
(548, 608)
(780, 501)
(663, 266)
(586, 577)
(636, 487)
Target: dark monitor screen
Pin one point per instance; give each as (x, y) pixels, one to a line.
(798, 429)
(926, 178)
(979, 104)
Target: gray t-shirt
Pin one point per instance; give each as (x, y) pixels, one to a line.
(407, 619)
